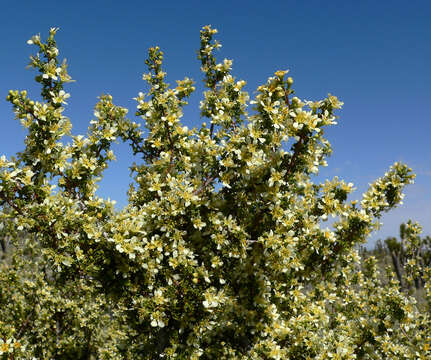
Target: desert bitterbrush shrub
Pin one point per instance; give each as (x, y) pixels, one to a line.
(222, 251)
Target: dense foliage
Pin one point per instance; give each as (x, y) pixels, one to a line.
(222, 252)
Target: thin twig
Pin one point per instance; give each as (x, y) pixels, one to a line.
(23, 326)
(204, 185)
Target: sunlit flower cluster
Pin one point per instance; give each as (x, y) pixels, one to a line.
(222, 252)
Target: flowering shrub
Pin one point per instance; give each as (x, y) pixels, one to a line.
(222, 251)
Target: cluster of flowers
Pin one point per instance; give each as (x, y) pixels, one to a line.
(221, 252)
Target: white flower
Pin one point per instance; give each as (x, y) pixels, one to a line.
(5, 346)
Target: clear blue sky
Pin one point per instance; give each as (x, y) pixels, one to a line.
(374, 55)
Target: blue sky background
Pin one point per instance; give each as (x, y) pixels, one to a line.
(374, 55)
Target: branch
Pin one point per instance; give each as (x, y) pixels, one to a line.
(171, 144)
(138, 146)
(24, 325)
(10, 203)
(296, 149)
(204, 185)
(286, 98)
